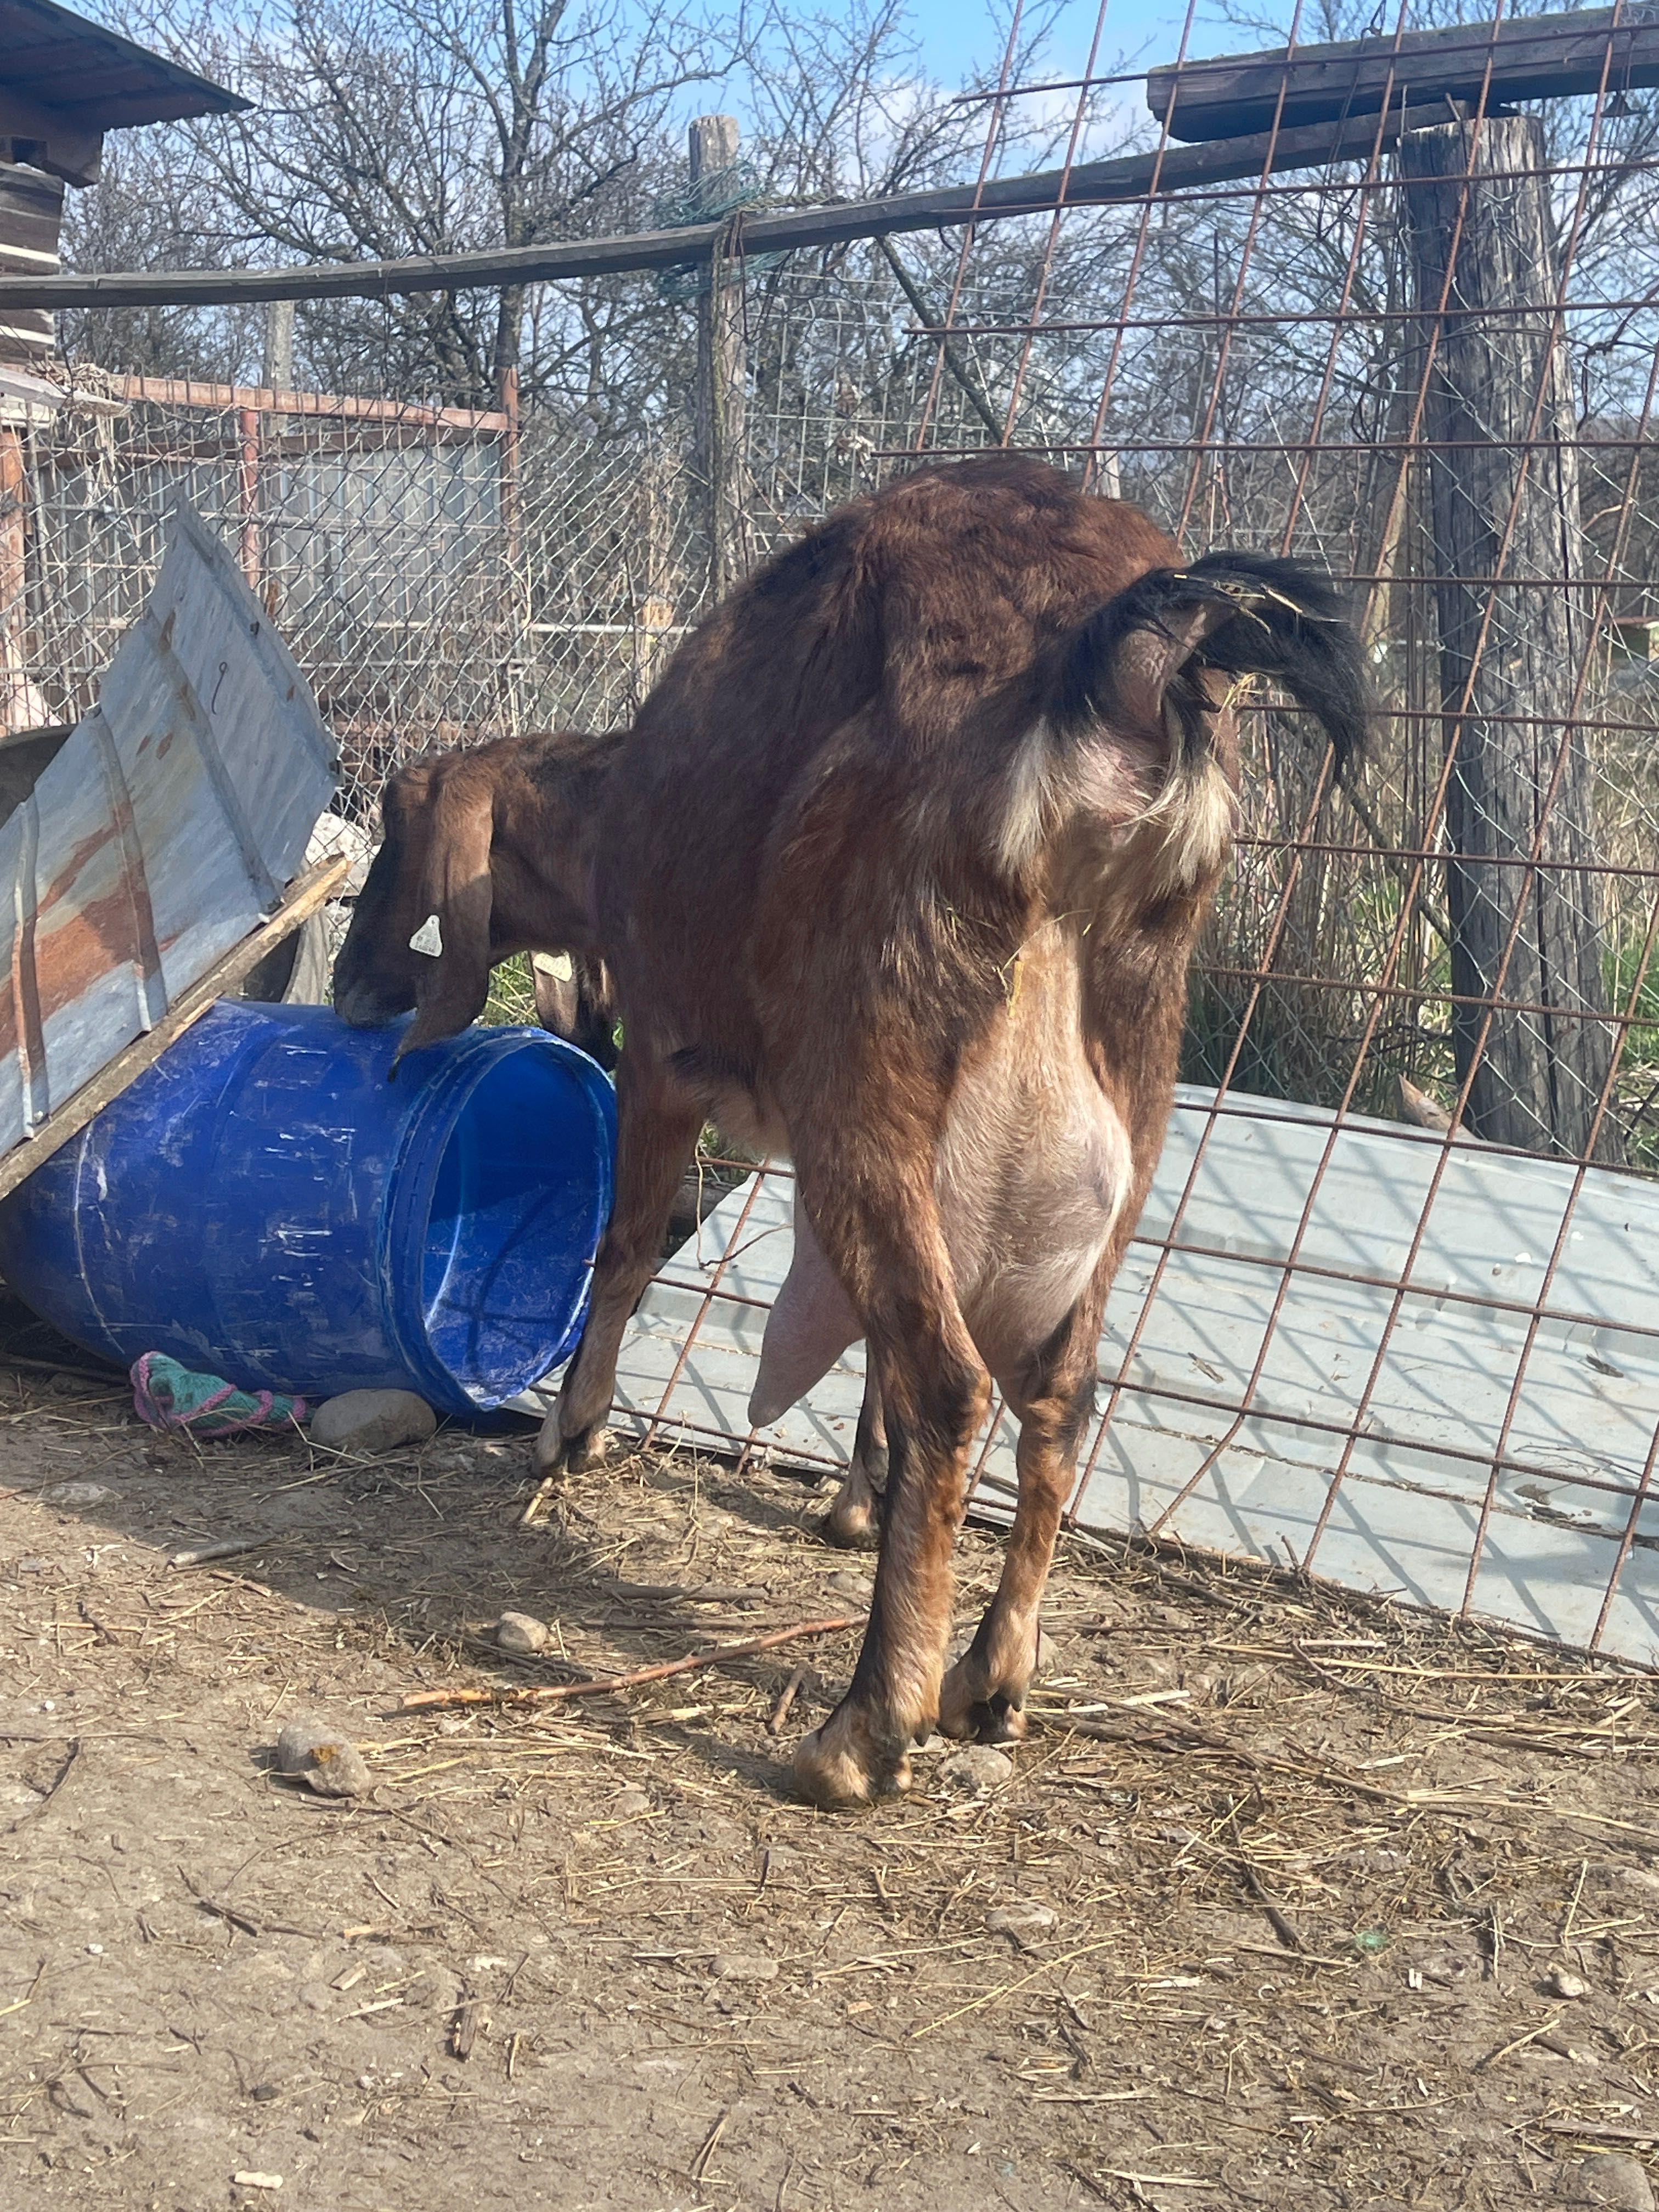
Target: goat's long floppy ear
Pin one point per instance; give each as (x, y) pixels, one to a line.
(457, 897)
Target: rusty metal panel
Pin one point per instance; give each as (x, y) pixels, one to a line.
(163, 832)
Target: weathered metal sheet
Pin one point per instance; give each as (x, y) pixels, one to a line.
(165, 830)
(1499, 1465)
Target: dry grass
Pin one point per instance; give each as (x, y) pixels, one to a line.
(1275, 1895)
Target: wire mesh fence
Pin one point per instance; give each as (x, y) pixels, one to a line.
(1431, 372)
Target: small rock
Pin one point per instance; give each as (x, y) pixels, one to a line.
(34, 1567)
(978, 1769)
(66, 1386)
(743, 1966)
(329, 1762)
(1637, 1877)
(521, 1632)
(629, 1805)
(1023, 1922)
(372, 1421)
(1611, 2179)
(859, 1588)
(75, 1494)
(1561, 1984)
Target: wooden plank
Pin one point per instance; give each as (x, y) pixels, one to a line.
(1531, 57)
(192, 392)
(1127, 178)
(305, 894)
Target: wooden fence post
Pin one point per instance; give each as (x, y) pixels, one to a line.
(1501, 427)
(247, 491)
(18, 711)
(722, 379)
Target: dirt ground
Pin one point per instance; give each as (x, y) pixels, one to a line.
(1290, 1900)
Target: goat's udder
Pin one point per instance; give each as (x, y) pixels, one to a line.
(810, 1325)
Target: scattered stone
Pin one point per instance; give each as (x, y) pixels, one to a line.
(1561, 1984)
(1024, 1923)
(75, 1494)
(329, 1762)
(34, 1567)
(978, 1770)
(1612, 2179)
(857, 1587)
(372, 1421)
(1637, 1877)
(66, 1386)
(629, 1805)
(521, 1632)
(743, 1966)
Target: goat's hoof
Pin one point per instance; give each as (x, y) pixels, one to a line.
(839, 1766)
(972, 1712)
(852, 1524)
(554, 1453)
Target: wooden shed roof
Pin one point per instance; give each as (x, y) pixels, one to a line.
(93, 77)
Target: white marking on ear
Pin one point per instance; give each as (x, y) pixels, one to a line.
(428, 939)
(559, 965)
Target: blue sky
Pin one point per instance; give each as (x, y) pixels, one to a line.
(958, 34)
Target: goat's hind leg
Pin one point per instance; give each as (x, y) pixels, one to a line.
(657, 1132)
(854, 1519)
(890, 1251)
(984, 1694)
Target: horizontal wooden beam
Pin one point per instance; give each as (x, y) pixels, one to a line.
(192, 392)
(1090, 184)
(305, 894)
(1528, 57)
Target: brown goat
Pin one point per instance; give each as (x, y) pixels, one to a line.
(529, 806)
(899, 872)
(498, 843)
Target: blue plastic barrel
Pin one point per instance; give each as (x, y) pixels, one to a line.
(264, 1205)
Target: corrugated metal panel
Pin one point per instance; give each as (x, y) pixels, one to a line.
(167, 827)
(1538, 1516)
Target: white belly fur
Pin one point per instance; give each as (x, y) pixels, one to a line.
(1031, 1176)
(1035, 1166)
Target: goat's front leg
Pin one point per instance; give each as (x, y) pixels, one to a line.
(984, 1694)
(855, 1520)
(657, 1132)
(887, 1247)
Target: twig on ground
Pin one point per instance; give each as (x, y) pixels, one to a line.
(781, 1710)
(541, 1497)
(228, 1549)
(551, 1692)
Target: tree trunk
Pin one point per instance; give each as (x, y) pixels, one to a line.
(1504, 483)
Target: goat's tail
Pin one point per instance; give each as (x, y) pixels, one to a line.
(1137, 667)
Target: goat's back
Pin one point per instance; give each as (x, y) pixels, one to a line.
(905, 639)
